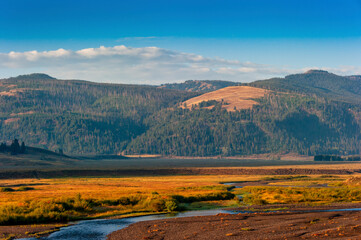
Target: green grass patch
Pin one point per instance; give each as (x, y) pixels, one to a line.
(213, 187)
(207, 205)
(6, 189)
(24, 188)
(273, 178)
(274, 195)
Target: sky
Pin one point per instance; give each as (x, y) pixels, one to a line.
(163, 41)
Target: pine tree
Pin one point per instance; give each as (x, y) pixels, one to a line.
(15, 147)
(22, 148)
(3, 147)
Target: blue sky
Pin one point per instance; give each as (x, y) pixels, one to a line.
(232, 39)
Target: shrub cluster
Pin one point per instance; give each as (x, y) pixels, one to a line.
(206, 197)
(337, 158)
(45, 211)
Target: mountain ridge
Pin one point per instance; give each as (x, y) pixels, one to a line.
(199, 85)
(94, 118)
(317, 82)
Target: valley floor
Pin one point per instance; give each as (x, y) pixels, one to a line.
(27, 198)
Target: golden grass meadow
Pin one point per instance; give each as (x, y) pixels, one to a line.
(57, 200)
(60, 200)
(64, 199)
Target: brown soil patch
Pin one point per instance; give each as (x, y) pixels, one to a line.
(12, 92)
(298, 207)
(10, 120)
(22, 113)
(7, 86)
(311, 225)
(143, 156)
(26, 231)
(239, 97)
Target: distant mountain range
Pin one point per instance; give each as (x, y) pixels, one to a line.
(310, 113)
(318, 83)
(199, 85)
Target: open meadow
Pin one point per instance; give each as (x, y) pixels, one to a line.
(59, 200)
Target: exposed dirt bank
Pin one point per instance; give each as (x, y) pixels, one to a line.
(298, 207)
(312, 225)
(26, 231)
(175, 171)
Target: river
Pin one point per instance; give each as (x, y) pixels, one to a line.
(98, 229)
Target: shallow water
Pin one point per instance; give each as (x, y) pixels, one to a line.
(99, 229)
(233, 184)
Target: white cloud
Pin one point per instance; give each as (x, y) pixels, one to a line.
(147, 65)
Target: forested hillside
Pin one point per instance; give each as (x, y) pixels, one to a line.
(354, 77)
(312, 113)
(317, 83)
(78, 116)
(281, 123)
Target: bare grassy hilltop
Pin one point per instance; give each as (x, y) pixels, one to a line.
(234, 97)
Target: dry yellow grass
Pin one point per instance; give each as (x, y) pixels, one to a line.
(74, 198)
(239, 97)
(111, 188)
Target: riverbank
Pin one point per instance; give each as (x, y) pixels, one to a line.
(34, 231)
(27, 231)
(280, 225)
(98, 229)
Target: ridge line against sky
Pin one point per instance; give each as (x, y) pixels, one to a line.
(265, 38)
(150, 65)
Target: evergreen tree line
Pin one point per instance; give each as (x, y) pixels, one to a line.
(336, 158)
(77, 116)
(14, 148)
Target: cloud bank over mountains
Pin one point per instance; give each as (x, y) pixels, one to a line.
(146, 65)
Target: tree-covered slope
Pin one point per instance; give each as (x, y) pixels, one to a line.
(312, 113)
(78, 116)
(318, 83)
(281, 123)
(354, 77)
